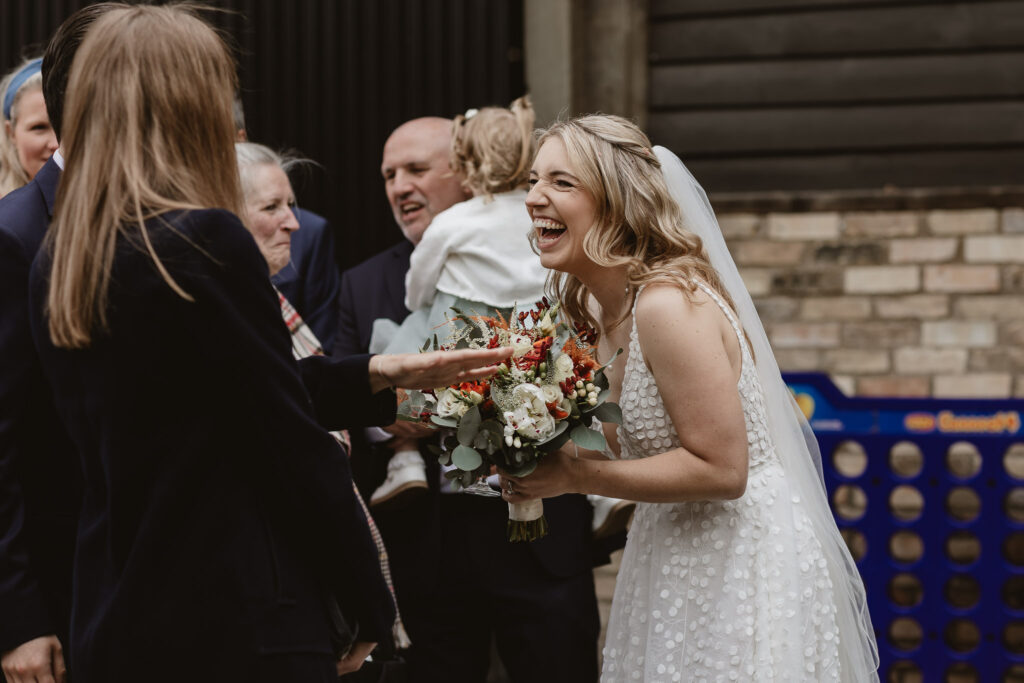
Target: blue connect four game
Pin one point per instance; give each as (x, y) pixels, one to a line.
(929, 495)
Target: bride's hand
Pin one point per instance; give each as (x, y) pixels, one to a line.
(433, 369)
(556, 473)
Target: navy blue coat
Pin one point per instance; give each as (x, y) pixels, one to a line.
(218, 515)
(39, 475)
(311, 281)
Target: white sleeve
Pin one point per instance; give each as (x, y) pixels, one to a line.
(427, 261)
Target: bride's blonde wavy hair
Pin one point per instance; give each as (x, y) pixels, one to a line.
(638, 224)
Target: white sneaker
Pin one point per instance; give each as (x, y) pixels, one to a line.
(406, 479)
(611, 515)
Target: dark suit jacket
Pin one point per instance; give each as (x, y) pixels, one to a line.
(40, 480)
(218, 515)
(311, 281)
(373, 289)
(376, 289)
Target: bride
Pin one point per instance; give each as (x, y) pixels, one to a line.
(734, 569)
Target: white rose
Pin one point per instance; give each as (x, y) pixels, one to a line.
(563, 368)
(551, 393)
(521, 344)
(450, 404)
(530, 417)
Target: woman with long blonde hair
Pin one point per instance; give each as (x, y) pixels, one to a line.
(734, 568)
(219, 522)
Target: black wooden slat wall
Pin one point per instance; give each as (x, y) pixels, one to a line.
(331, 79)
(791, 95)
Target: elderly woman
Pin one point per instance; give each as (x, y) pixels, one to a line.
(28, 139)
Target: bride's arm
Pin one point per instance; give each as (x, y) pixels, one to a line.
(694, 357)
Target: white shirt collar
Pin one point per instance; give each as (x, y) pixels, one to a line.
(58, 158)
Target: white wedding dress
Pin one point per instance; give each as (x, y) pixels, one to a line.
(735, 590)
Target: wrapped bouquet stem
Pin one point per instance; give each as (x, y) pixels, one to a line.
(549, 391)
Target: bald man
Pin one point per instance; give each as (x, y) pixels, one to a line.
(459, 583)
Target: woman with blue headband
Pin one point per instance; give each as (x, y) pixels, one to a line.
(28, 139)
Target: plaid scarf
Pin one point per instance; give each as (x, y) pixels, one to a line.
(304, 345)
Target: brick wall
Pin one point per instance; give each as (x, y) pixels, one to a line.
(891, 303)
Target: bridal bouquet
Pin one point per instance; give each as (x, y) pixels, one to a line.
(549, 391)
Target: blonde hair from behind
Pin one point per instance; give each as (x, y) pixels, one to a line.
(12, 175)
(147, 129)
(638, 225)
(493, 148)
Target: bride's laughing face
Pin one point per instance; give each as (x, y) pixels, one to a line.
(563, 211)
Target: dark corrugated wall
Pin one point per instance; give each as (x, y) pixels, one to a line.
(331, 79)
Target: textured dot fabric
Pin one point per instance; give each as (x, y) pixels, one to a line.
(708, 591)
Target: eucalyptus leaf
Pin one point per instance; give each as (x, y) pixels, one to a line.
(614, 356)
(469, 425)
(556, 443)
(481, 442)
(527, 468)
(466, 459)
(445, 458)
(584, 437)
(444, 421)
(609, 412)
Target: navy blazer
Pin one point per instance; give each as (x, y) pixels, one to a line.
(40, 482)
(310, 281)
(218, 516)
(373, 289)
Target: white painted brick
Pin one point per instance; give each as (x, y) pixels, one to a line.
(893, 386)
(798, 360)
(959, 333)
(975, 385)
(881, 279)
(767, 253)
(776, 308)
(836, 308)
(917, 306)
(958, 278)
(856, 361)
(963, 222)
(881, 223)
(739, 225)
(804, 335)
(757, 280)
(922, 250)
(994, 307)
(994, 249)
(803, 226)
(923, 361)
